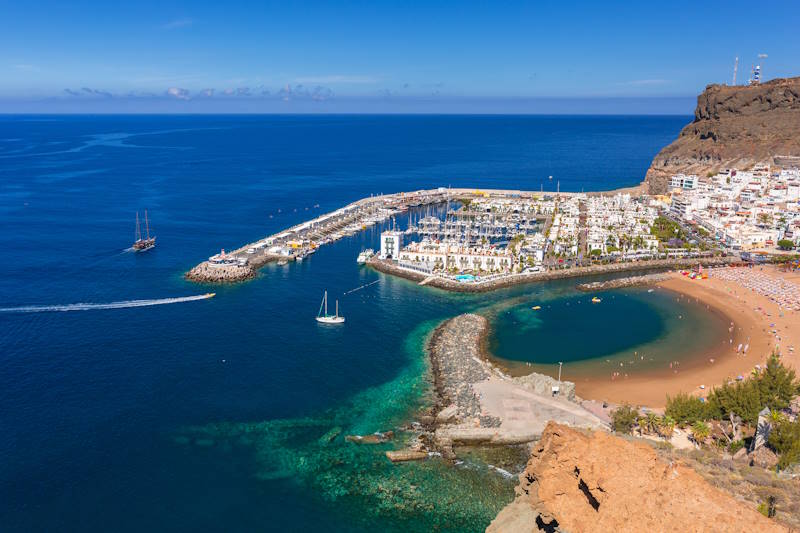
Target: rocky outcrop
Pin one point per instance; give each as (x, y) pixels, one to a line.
(206, 272)
(734, 126)
(579, 481)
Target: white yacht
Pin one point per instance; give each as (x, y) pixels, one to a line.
(323, 315)
(365, 256)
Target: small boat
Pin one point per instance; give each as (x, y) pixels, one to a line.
(536, 307)
(143, 244)
(596, 300)
(365, 256)
(649, 290)
(323, 315)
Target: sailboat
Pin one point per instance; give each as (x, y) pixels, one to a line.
(324, 317)
(140, 244)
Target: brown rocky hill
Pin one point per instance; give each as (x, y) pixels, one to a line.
(734, 126)
(577, 481)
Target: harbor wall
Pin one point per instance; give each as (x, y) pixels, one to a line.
(509, 280)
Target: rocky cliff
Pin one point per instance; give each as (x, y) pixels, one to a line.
(733, 126)
(577, 481)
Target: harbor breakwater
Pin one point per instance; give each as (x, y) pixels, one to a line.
(472, 396)
(619, 283)
(508, 280)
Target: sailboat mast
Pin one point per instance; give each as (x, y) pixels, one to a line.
(138, 228)
(337, 307)
(326, 303)
(146, 224)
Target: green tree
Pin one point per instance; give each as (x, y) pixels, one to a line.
(740, 399)
(785, 439)
(777, 384)
(785, 244)
(686, 409)
(623, 418)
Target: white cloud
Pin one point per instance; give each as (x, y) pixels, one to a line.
(177, 92)
(27, 67)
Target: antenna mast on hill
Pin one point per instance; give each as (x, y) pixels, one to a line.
(735, 68)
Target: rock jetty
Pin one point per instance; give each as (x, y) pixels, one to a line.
(631, 281)
(456, 364)
(206, 272)
(594, 481)
(477, 405)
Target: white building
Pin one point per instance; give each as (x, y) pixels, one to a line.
(391, 242)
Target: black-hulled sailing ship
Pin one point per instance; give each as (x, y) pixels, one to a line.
(143, 244)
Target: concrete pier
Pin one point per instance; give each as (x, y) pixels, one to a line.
(303, 239)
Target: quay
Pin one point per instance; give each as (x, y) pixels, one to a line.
(498, 281)
(299, 241)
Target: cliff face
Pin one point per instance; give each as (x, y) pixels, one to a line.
(733, 126)
(576, 481)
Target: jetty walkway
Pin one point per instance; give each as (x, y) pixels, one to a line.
(298, 241)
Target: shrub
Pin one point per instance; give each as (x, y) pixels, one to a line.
(785, 439)
(686, 409)
(623, 418)
(700, 431)
(735, 446)
(786, 244)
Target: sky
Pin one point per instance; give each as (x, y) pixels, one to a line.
(384, 56)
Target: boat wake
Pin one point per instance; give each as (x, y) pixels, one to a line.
(112, 305)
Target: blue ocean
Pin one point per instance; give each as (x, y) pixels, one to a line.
(228, 414)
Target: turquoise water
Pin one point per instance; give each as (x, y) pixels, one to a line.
(634, 331)
(207, 415)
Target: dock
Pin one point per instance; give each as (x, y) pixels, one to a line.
(301, 240)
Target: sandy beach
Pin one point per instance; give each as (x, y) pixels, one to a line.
(756, 320)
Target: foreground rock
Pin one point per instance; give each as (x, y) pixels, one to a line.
(595, 481)
(734, 126)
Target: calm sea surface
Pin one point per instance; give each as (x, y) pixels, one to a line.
(222, 414)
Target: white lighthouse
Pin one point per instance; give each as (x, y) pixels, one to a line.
(391, 242)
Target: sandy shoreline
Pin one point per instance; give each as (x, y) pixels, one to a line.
(751, 315)
(751, 326)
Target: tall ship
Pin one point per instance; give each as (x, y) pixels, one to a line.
(143, 244)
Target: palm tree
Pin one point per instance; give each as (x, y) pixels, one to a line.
(651, 422)
(700, 431)
(775, 417)
(666, 427)
(641, 422)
